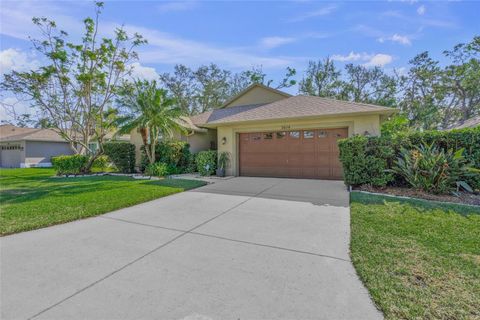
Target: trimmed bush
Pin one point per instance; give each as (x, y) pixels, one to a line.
(176, 154)
(122, 155)
(101, 164)
(367, 160)
(158, 169)
(206, 162)
(71, 164)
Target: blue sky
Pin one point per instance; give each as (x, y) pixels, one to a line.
(238, 35)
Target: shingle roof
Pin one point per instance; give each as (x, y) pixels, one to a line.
(13, 133)
(293, 107)
(470, 123)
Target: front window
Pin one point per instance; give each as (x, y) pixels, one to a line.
(295, 134)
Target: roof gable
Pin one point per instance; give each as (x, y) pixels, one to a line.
(256, 94)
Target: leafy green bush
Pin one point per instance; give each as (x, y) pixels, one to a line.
(101, 164)
(176, 154)
(191, 164)
(71, 164)
(122, 154)
(158, 169)
(206, 162)
(365, 159)
(431, 169)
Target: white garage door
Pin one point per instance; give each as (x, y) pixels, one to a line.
(11, 156)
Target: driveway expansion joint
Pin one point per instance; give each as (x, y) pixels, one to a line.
(148, 253)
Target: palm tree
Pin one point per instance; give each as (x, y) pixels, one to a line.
(150, 110)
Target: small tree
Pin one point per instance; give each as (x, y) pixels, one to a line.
(149, 109)
(79, 82)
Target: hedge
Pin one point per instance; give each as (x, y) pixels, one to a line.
(175, 154)
(365, 160)
(122, 155)
(206, 162)
(71, 164)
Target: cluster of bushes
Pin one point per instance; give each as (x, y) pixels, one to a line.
(434, 161)
(174, 156)
(122, 154)
(119, 156)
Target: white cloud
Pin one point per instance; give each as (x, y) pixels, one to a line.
(405, 40)
(421, 10)
(10, 107)
(176, 6)
(352, 56)
(379, 59)
(315, 13)
(142, 72)
(16, 60)
(273, 42)
(168, 49)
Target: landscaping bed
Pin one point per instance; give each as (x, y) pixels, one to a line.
(463, 197)
(33, 198)
(419, 259)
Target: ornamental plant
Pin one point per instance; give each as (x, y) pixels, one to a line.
(433, 169)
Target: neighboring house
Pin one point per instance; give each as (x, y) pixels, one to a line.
(273, 134)
(470, 123)
(31, 147)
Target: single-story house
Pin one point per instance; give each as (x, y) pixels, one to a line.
(33, 147)
(469, 123)
(29, 147)
(271, 133)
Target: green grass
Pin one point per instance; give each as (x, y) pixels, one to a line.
(33, 198)
(418, 259)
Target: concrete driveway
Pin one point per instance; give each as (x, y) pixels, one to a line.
(244, 248)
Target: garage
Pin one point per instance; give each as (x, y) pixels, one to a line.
(307, 153)
(11, 155)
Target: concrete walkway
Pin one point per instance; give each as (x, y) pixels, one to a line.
(243, 248)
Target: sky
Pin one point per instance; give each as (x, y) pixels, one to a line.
(239, 35)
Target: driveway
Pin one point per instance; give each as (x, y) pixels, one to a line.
(244, 248)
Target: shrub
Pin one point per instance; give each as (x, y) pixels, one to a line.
(101, 164)
(223, 159)
(122, 154)
(431, 169)
(175, 154)
(71, 164)
(158, 169)
(206, 162)
(191, 165)
(365, 159)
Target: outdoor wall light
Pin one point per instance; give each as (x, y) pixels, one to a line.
(224, 140)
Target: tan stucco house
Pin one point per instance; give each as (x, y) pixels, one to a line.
(274, 134)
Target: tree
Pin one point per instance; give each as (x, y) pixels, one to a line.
(149, 109)
(368, 85)
(212, 88)
(181, 83)
(79, 81)
(321, 79)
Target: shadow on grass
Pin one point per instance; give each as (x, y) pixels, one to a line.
(24, 188)
(419, 204)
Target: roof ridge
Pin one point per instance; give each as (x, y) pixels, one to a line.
(345, 101)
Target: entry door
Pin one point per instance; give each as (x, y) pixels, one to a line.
(308, 153)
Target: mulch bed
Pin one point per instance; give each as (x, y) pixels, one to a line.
(463, 197)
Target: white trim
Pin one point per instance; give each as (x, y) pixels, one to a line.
(36, 165)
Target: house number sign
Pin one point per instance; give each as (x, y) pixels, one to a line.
(286, 127)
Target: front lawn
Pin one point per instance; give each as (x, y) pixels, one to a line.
(33, 198)
(418, 259)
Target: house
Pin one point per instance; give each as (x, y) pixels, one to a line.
(33, 147)
(271, 133)
(29, 147)
(470, 123)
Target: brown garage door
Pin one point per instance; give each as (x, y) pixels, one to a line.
(311, 153)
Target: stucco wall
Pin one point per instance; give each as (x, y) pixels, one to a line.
(256, 95)
(39, 153)
(356, 125)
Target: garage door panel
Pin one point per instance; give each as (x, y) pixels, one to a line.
(297, 154)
